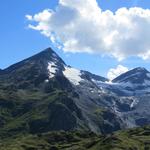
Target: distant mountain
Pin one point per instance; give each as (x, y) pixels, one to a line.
(133, 91)
(134, 82)
(136, 76)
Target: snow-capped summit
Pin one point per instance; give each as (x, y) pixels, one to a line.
(133, 82)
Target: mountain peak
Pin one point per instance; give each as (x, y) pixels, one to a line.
(136, 75)
(139, 69)
(47, 51)
(42, 58)
(47, 54)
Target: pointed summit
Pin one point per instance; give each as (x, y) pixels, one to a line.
(136, 75)
(35, 70)
(47, 55)
(139, 69)
(41, 59)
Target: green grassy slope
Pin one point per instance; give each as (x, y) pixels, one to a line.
(36, 112)
(132, 139)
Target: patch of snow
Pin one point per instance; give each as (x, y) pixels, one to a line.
(148, 75)
(102, 91)
(73, 75)
(134, 102)
(52, 68)
(114, 106)
(46, 80)
(146, 83)
(109, 82)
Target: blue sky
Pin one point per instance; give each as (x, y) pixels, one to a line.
(19, 42)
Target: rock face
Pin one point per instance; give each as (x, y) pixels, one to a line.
(42, 94)
(133, 91)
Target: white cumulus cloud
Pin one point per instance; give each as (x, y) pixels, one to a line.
(115, 72)
(82, 26)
